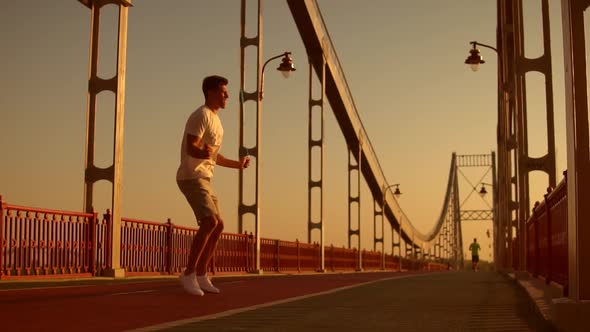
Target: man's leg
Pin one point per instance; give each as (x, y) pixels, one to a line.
(199, 244)
(198, 195)
(205, 258)
(209, 249)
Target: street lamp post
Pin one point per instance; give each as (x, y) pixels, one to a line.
(505, 141)
(512, 130)
(396, 193)
(286, 67)
(399, 267)
(483, 191)
(475, 59)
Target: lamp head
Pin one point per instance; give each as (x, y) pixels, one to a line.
(474, 59)
(397, 192)
(483, 191)
(286, 66)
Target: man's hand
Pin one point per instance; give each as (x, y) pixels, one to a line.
(244, 162)
(193, 149)
(205, 153)
(208, 151)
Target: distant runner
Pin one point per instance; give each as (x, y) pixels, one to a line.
(474, 248)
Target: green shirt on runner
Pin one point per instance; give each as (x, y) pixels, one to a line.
(474, 247)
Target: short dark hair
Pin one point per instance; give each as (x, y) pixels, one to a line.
(213, 82)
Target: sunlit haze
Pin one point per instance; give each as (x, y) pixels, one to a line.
(403, 61)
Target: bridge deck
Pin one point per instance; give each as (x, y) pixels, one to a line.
(433, 302)
(380, 301)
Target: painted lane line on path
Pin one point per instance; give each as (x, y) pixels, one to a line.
(42, 288)
(233, 282)
(136, 292)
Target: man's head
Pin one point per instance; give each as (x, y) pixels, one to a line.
(474, 240)
(215, 91)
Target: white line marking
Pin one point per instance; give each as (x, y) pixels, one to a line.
(254, 307)
(137, 292)
(233, 282)
(38, 288)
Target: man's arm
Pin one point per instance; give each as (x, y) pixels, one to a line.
(244, 162)
(193, 150)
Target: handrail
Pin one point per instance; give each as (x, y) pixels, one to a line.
(48, 211)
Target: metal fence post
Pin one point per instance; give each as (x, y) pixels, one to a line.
(298, 256)
(109, 238)
(332, 257)
(320, 263)
(536, 252)
(247, 249)
(252, 249)
(1, 236)
(549, 242)
(278, 260)
(169, 246)
(91, 244)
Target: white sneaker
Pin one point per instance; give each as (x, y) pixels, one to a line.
(190, 285)
(206, 284)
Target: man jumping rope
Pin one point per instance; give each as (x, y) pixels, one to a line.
(201, 141)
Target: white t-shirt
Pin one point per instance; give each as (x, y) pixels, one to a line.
(203, 123)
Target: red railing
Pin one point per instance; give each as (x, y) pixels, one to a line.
(102, 239)
(290, 256)
(337, 259)
(40, 243)
(309, 254)
(408, 264)
(146, 247)
(546, 237)
(372, 260)
(234, 254)
(391, 262)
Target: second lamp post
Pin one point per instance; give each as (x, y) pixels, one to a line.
(397, 193)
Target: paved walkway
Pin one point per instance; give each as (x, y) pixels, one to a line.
(373, 301)
(456, 301)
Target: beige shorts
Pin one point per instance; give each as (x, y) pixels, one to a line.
(200, 197)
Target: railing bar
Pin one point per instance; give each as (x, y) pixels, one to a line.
(47, 211)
